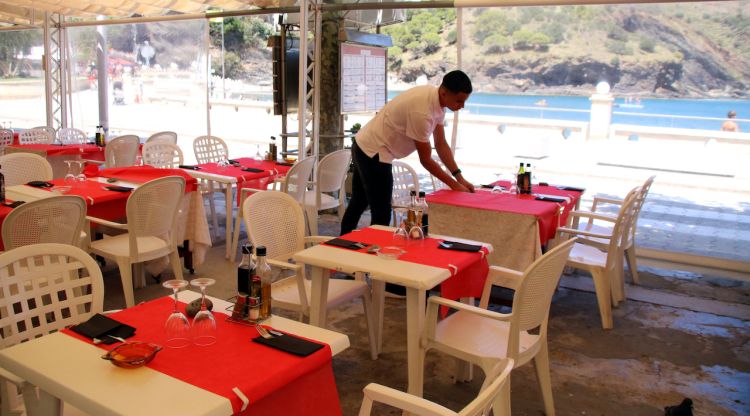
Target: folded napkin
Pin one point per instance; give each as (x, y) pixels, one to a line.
(291, 344)
(559, 200)
(100, 326)
(118, 188)
(340, 242)
(254, 170)
(234, 162)
(570, 188)
(40, 184)
(193, 167)
(458, 246)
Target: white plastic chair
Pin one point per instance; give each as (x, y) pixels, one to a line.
(437, 184)
(484, 337)
(71, 135)
(329, 178)
(6, 139)
(57, 219)
(121, 151)
(152, 210)
(37, 135)
(599, 227)
(52, 285)
(405, 180)
(497, 391)
(20, 168)
(163, 137)
(161, 154)
(210, 149)
(606, 265)
(276, 220)
(294, 184)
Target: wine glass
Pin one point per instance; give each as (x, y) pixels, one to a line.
(258, 156)
(204, 323)
(72, 174)
(400, 234)
(80, 176)
(177, 327)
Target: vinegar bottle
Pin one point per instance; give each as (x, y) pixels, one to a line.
(263, 270)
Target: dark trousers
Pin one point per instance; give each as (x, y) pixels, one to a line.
(372, 185)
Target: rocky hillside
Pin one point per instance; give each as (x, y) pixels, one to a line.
(685, 50)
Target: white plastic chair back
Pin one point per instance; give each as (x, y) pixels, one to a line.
(161, 154)
(274, 219)
(437, 184)
(50, 130)
(6, 137)
(121, 151)
(152, 209)
(35, 136)
(163, 136)
(57, 219)
(20, 168)
(629, 234)
(497, 390)
(210, 149)
(52, 285)
(405, 179)
(297, 178)
(330, 177)
(71, 135)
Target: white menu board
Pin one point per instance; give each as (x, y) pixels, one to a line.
(363, 75)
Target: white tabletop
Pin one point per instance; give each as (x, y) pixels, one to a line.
(73, 371)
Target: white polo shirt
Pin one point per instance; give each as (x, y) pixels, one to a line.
(411, 116)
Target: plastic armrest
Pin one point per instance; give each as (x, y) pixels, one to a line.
(434, 301)
(502, 276)
(8, 376)
(565, 230)
(107, 223)
(317, 239)
(284, 264)
(96, 162)
(615, 201)
(403, 401)
(245, 191)
(594, 215)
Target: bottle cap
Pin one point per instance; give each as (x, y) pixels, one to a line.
(528, 165)
(520, 164)
(260, 251)
(247, 249)
(421, 194)
(413, 192)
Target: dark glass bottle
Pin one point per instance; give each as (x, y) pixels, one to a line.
(2, 186)
(245, 270)
(423, 204)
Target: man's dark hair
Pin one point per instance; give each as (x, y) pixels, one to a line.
(732, 114)
(457, 81)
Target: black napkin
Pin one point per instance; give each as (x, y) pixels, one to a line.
(234, 162)
(254, 170)
(290, 344)
(457, 246)
(571, 188)
(12, 204)
(118, 188)
(351, 245)
(99, 326)
(40, 184)
(285, 164)
(193, 167)
(551, 199)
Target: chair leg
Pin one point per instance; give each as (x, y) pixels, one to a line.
(126, 276)
(603, 296)
(541, 364)
(236, 235)
(632, 264)
(174, 258)
(312, 220)
(501, 405)
(370, 318)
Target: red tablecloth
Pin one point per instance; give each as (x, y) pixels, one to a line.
(143, 174)
(547, 213)
(4, 211)
(468, 270)
(256, 180)
(85, 150)
(275, 382)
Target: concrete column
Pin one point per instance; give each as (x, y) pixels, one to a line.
(601, 112)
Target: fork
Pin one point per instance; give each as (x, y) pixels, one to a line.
(99, 341)
(268, 333)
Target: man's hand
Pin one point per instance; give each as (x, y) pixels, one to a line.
(457, 186)
(469, 186)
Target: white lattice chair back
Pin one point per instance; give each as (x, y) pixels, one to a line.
(274, 219)
(122, 151)
(6, 137)
(35, 136)
(498, 389)
(161, 154)
(404, 180)
(332, 170)
(52, 285)
(629, 234)
(297, 178)
(50, 130)
(210, 149)
(57, 219)
(163, 137)
(70, 135)
(20, 168)
(621, 229)
(152, 209)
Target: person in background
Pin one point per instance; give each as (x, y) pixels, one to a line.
(402, 126)
(730, 124)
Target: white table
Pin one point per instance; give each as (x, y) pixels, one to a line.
(67, 369)
(417, 279)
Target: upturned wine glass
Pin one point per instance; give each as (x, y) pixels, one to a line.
(204, 323)
(72, 173)
(177, 327)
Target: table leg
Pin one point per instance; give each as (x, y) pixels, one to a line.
(229, 239)
(415, 310)
(378, 308)
(319, 296)
(44, 404)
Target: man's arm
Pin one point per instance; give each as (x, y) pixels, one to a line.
(446, 156)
